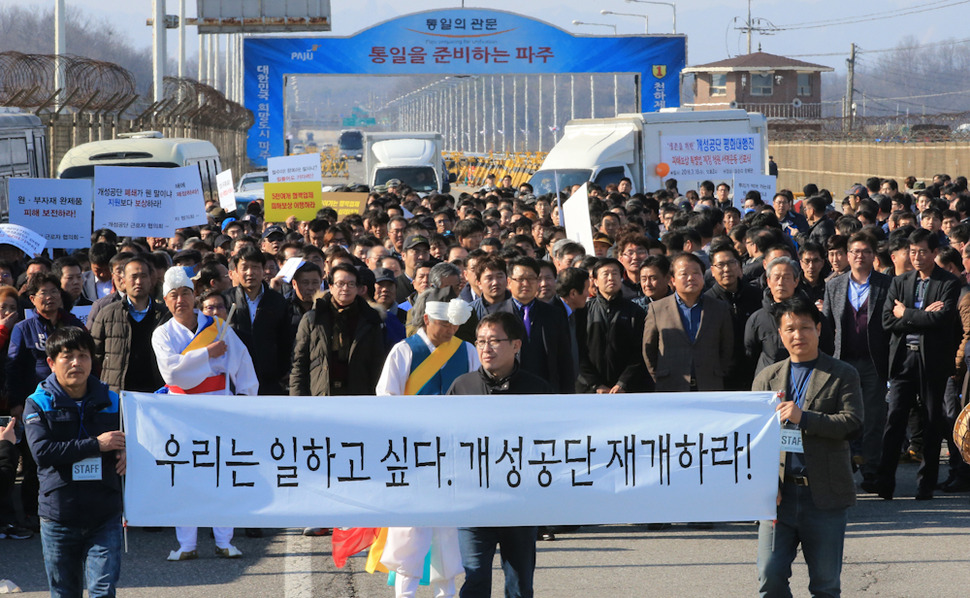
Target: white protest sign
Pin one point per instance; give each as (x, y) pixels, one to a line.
(762, 183)
(289, 268)
(22, 238)
(576, 219)
(449, 460)
(189, 201)
(81, 312)
(147, 202)
(294, 169)
(227, 192)
(695, 157)
(60, 209)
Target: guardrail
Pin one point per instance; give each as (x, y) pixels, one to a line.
(471, 170)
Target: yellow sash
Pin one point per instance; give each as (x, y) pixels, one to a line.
(376, 551)
(206, 336)
(424, 372)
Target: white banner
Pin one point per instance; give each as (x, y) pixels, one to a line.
(227, 192)
(203, 460)
(575, 215)
(147, 202)
(22, 238)
(294, 169)
(60, 209)
(762, 183)
(696, 157)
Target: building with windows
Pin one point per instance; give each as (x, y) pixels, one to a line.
(776, 86)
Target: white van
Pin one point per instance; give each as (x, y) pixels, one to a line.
(146, 148)
(23, 150)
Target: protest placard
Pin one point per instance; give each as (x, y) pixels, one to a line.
(147, 202)
(282, 200)
(696, 157)
(450, 460)
(294, 169)
(22, 238)
(58, 209)
(227, 192)
(764, 184)
(345, 203)
(188, 208)
(576, 218)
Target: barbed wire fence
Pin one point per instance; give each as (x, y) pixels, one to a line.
(98, 100)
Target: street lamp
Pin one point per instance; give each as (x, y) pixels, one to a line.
(646, 19)
(670, 4)
(596, 25)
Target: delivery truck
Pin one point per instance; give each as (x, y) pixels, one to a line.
(412, 158)
(691, 146)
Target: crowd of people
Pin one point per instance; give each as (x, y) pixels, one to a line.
(828, 299)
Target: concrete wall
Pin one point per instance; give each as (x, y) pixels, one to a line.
(836, 166)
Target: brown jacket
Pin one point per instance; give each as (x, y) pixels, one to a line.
(671, 357)
(831, 415)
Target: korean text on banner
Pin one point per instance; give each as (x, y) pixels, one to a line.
(576, 219)
(762, 183)
(147, 202)
(189, 205)
(282, 200)
(345, 203)
(295, 169)
(227, 192)
(697, 157)
(22, 238)
(60, 209)
(450, 460)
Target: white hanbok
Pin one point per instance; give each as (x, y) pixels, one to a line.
(406, 547)
(188, 372)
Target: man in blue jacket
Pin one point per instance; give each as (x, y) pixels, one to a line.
(72, 423)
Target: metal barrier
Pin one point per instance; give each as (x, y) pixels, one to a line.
(472, 169)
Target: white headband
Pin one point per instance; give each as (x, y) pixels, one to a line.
(456, 311)
(175, 278)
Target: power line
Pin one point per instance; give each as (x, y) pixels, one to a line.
(885, 14)
(870, 18)
(884, 50)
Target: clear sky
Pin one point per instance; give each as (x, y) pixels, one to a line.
(709, 25)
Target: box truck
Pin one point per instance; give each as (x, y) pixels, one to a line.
(412, 158)
(691, 144)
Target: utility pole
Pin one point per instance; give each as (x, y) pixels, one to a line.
(849, 84)
(749, 26)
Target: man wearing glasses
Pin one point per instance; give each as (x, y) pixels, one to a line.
(744, 300)
(632, 250)
(921, 313)
(853, 307)
(499, 338)
(546, 347)
(339, 347)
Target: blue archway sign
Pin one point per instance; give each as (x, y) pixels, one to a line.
(449, 42)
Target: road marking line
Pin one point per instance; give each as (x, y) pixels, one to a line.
(297, 566)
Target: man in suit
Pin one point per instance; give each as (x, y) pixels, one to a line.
(822, 408)
(853, 307)
(546, 348)
(688, 338)
(261, 321)
(743, 300)
(97, 281)
(921, 313)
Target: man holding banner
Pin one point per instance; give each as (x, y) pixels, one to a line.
(822, 408)
(427, 363)
(499, 339)
(199, 354)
